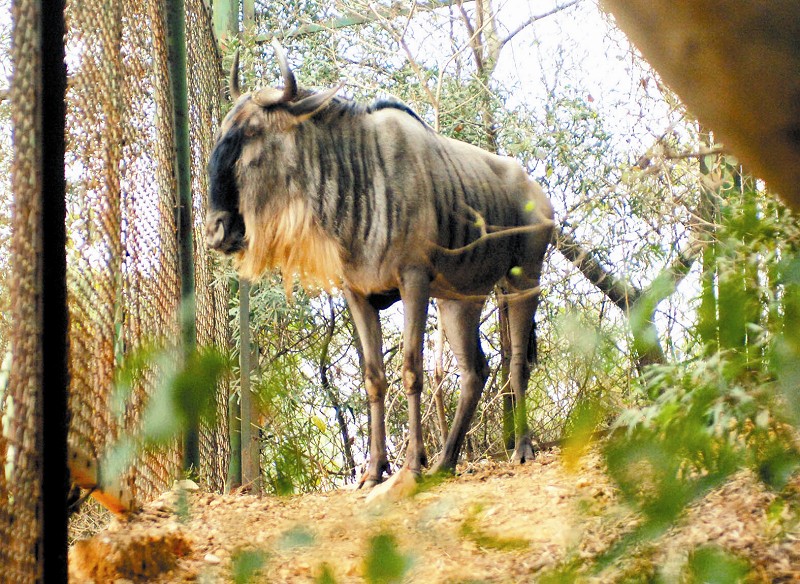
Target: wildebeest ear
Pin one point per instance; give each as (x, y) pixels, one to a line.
(267, 96)
(305, 108)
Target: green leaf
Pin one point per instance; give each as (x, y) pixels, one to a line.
(184, 397)
(196, 385)
(712, 565)
(245, 565)
(776, 464)
(471, 531)
(584, 419)
(297, 536)
(319, 423)
(567, 573)
(384, 563)
(325, 575)
(118, 458)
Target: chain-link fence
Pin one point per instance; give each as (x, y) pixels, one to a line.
(20, 486)
(122, 248)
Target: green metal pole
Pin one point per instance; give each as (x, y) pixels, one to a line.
(226, 18)
(234, 478)
(176, 47)
(249, 13)
(226, 24)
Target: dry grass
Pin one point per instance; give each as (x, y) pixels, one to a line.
(90, 519)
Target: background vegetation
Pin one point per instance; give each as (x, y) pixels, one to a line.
(670, 297)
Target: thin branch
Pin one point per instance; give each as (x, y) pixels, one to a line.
(696, 153)
(324, 365)
(533, 19)
(504, 232)
(352, 18)
(474, 37)
(400, 39)
(438, 376)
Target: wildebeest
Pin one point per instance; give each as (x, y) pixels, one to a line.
(371, 200)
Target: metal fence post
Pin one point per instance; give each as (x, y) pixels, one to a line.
(250, 448)
(54, 390)
(176, 42)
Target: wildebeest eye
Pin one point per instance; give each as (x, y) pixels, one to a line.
(253, 127)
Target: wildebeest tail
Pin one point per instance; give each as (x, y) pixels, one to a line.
(533, 356)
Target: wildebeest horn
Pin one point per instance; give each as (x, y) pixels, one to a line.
(233, 85)
(289, 83)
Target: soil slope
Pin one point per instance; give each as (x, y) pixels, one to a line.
(493, 523)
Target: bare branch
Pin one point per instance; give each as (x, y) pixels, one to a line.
(324, 365)
(353, 18)
(696, 153)
(533, 19)
(502, 232)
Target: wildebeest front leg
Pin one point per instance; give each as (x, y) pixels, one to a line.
(368, 324)
(415, 292)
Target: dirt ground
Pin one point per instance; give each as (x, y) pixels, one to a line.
(493, 523)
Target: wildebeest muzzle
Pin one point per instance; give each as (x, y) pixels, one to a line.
(225, 231)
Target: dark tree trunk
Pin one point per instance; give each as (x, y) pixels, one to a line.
(324, 365)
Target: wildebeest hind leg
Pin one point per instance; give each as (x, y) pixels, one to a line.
(460, 320)
(368, 325)
(415, 293)
(521, 311)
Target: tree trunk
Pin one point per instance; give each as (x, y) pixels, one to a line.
(639, 306)
(438, 380)
(505, 368)
(324, 365)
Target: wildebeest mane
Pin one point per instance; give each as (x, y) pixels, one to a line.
(341, 106)
(392, 102)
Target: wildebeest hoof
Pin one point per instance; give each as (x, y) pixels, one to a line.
(368, 483)
(441, 468)
(403, 484)
(374, 475)
(523, 453)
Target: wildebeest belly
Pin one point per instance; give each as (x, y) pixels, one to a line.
(470, 272)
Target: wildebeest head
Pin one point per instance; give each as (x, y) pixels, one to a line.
(256, 131)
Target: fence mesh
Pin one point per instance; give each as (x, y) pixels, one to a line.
(20, 485)
(205, 93)
(122, 250)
